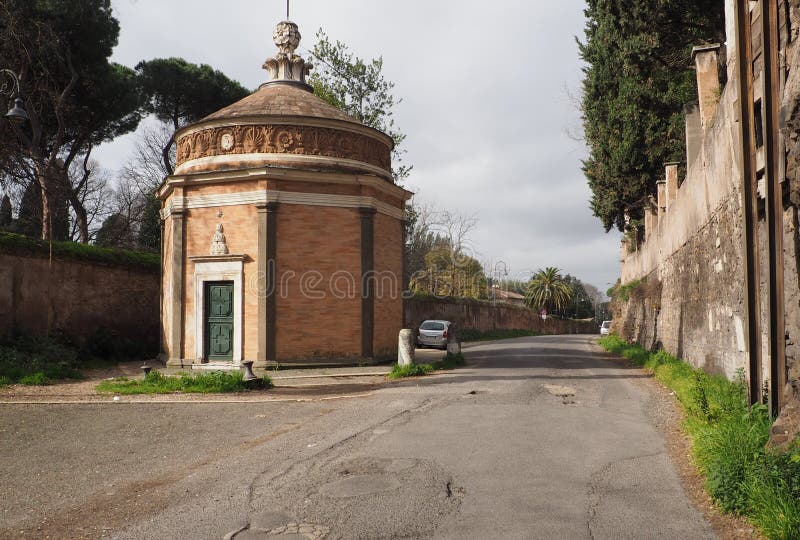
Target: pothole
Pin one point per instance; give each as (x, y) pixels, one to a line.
(560, 391)
(566, 393)
(365, 497)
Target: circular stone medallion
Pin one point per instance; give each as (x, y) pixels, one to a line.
(226, 142)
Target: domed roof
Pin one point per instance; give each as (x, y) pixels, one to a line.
(283, 124)
(280, 100)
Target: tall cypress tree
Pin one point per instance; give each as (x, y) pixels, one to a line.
(638, 77)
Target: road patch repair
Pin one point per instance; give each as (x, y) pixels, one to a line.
(566, 393)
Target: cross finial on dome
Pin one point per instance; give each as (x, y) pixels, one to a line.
(286, 66)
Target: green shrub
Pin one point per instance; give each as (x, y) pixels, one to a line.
(37, 360)
(35, 379)
(23, 245)
(215, 382)
(729, 440)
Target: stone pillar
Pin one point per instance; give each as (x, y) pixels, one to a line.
(405, 347)
(453, 343)
(175, 331)
(367, 216)
(706, 61)
(661, 186)
(650, 218)
(671, 174)
(694, 132)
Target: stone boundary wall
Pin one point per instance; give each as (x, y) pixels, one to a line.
(485, 316)
(712, 180)
(79, 300)
(691, 301)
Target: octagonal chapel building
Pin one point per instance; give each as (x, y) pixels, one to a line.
(282, 231)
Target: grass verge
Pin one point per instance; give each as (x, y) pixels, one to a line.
(216, 382)
(729, 440)
(451, 361)
(469, 334)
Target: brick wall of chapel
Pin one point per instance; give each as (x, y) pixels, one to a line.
(389, 285)
(314, 244)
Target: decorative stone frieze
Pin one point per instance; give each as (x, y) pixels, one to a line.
(283, 139)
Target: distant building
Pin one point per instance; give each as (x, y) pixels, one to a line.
(508, 297)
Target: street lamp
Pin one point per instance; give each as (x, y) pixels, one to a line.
(15, 114)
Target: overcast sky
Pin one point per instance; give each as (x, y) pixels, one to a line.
(486, 106)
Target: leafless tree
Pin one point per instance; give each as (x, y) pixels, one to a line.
(455, 228)
(87, 187)
(146, 169)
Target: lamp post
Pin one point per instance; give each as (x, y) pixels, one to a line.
(497, 274)
(10, 87)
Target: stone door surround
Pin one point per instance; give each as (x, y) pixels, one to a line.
(218, 268)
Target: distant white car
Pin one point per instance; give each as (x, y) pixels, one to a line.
(605, 328)
(433, 334)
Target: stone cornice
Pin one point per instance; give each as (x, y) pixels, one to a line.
(258, 198)
(217, 258)
(280, 173)
(205, 164)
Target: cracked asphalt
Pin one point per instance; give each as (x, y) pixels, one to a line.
(536, 438)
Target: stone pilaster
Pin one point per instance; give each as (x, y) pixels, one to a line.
(261, 285)
(271, 283)
(175, 331)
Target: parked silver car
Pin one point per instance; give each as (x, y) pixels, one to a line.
(605, 328)
(433, 334)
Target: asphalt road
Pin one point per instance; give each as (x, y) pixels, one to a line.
(535, 438)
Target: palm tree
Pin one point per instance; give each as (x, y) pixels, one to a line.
(549, 290)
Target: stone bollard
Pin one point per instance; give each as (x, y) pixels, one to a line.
(249, 378)
(405, 347)
(453, 343)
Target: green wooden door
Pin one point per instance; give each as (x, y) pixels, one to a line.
(219, 320)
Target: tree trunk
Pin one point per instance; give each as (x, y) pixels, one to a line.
(165, 155)
(81, 219)
(47, 215)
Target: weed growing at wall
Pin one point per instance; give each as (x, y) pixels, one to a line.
(203, 383)
(451, 361)
(729, 442)
(623, 292)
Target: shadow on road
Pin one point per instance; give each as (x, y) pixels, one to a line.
(541, 358)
